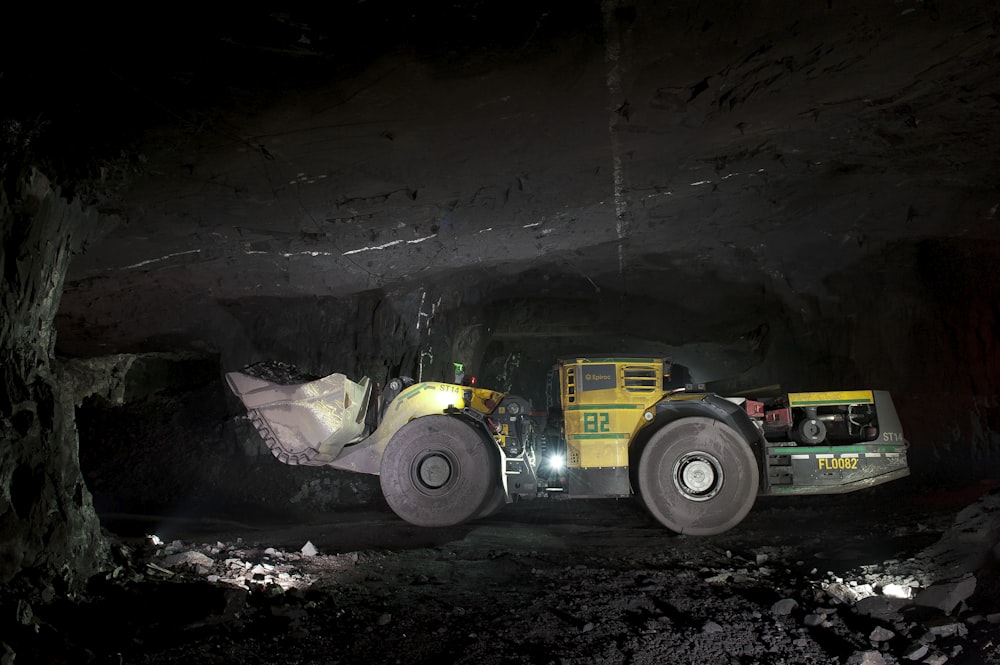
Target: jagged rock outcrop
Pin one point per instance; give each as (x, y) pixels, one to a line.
(49, 533)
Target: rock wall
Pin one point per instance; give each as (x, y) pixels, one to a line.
(190, 453)
(417, 331)
(935, 341)
(923, 327)
(49, 532)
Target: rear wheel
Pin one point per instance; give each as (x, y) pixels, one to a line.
(698, 476)
(437, 471)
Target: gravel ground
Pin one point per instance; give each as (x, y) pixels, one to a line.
(867, 578)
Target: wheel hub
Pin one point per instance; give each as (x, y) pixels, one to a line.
(698, 476)
(433, 470)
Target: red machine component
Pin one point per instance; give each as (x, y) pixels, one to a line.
(778, 418)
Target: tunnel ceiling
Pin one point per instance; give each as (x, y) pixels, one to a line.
(676, 172)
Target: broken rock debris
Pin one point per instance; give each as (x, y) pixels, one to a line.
(244, 567)
(947, 596)
(798, 621)
(616, 594)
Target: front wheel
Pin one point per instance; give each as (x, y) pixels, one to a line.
(698, 476)
(437, 471)
(494, 503)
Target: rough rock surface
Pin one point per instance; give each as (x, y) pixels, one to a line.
(790, 192)
(549, 581)
(48, 526)
(190, 452)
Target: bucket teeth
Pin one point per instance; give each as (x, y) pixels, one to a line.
(283, 454)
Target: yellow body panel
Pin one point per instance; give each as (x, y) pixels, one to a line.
(423, 399)
(604, 402)
(831, 397)
(432, 397)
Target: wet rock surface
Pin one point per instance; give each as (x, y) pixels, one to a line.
(543, 582)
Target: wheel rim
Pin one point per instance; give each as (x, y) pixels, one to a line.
(698, 476)
(433, 471)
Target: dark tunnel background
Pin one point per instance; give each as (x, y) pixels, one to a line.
(765, 193)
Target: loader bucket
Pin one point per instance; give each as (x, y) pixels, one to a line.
(306, 423)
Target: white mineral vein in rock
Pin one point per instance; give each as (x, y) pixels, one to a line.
(389, 244)
(162, 258)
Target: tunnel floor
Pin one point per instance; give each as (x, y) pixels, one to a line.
(806, 580)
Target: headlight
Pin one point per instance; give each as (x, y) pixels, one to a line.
(556, 462)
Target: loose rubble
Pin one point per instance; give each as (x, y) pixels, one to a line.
(600, 585)
(256, 569)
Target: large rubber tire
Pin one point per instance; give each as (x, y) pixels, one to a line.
(698, 476)
(497, 498)
(494, 503)
(437, 471)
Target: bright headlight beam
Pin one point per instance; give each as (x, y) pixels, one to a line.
(556, 462)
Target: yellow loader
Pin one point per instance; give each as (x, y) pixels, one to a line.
(447, 453)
